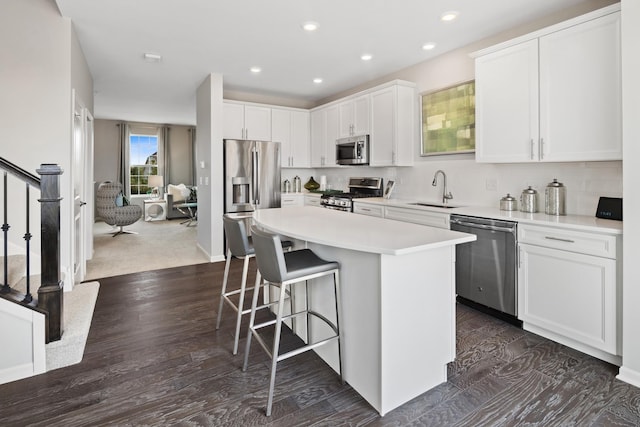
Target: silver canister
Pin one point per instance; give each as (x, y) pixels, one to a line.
(508, 203)
(554, 198)
(297, 184)
(286, 187)
(529, 200)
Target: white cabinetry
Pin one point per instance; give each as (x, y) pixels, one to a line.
(417, 216)
(353, 117)
(291, 128)
(370, 209)
(291, 199)
(312, 200)
(569, 290)
(554, 97)
(324, 132)
(393, 125)
(246, 121)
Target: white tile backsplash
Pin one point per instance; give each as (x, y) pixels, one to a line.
(467, 180)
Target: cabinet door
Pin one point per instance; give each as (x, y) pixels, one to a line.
(257, 123)
(331, 135)
(507, 104)
(299, 139)
(383, 135)
(569, 294)
(368, 209)
(318, 136)
(233, 127)
(281, 132)
(580, 92)
(345, 119)
(361, 115)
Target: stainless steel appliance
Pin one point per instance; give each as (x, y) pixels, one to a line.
(252, 175)
(358, 187)
(486, 270)
(353, 150)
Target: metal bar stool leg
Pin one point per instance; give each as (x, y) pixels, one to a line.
(243, 286)
(252, 318)
(224, 287)
(276, 346)
(336, 288)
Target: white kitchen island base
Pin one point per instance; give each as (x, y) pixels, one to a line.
(398, 298)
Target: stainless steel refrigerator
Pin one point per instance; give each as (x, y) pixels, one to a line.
(252, 175)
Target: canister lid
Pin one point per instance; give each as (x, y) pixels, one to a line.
(508, 198)
(555, 183)
(529, 191)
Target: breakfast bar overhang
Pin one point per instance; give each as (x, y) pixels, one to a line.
(398, 297)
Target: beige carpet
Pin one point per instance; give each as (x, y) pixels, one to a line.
(158, 245)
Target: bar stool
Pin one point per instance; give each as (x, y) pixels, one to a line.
(239, 246)
(281, 269)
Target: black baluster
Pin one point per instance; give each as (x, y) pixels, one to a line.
(5, 229)
(27, 237)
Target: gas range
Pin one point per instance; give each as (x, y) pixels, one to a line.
(358, 188)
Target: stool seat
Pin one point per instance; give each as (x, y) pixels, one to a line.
(280, 270)
(305, 262)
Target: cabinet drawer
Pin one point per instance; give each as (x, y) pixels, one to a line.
(293, 200)
(432, 219)
(602, 245)
(312, 201)
(366, 209)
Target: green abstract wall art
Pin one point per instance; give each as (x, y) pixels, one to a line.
(449, 120)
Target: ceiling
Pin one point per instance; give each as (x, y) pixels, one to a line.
(199, 37)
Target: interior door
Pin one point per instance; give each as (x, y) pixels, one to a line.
(78, 177)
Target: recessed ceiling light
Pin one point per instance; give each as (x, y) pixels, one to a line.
(428, 46)
(317, 80)
(256, 70)
(152, 57)
(310, 26)
(366, 57)
(449, 16)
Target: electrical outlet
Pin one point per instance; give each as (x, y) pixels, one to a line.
(491, 184)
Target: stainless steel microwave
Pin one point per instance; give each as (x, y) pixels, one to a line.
(353, 150)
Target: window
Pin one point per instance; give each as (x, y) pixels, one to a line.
(143, 161)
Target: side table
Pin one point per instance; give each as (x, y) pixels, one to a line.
(155, 210)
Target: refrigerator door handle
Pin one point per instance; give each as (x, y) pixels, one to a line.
(255, 178)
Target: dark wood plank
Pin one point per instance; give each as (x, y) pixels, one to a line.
(153, 357)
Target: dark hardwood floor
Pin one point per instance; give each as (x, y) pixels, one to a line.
(153, 357)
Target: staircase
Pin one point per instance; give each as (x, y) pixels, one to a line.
(27, 323)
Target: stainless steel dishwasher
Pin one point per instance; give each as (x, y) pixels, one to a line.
(486, 269)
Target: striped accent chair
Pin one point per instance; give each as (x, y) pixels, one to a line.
(110, 212)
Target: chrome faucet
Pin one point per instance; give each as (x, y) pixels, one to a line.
(446, 196)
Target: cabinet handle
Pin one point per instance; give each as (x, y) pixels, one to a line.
(541, 148)
(365, 209)
(531, 148)
(519, 256)
(559, 239)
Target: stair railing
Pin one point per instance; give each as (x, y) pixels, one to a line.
(50, 298)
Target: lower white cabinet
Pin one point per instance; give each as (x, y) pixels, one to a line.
(416, 216)
(567, 294)
(291, 199)
(312, 200)
(368, 209)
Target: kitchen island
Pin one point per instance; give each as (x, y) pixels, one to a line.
(398, 298)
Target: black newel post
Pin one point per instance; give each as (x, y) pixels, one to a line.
(50, 292)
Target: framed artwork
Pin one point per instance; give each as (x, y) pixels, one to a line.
(448, 120)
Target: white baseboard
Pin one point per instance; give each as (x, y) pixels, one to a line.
(15, 373)
(629, 376)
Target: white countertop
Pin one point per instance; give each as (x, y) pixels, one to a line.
(356, 232)
(576, 222)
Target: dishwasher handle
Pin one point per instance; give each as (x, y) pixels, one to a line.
(484, 226)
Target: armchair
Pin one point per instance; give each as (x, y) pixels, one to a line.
(107, 208)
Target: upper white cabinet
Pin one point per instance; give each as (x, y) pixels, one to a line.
(554, 97)
(393, 125)
(353, 117)
(324, 132)
(291, 128)
(246, 121)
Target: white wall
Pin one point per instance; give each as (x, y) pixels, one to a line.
(41, 63)
(630, 370)
(210, 179)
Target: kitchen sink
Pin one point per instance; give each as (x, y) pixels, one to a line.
(434, 205)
